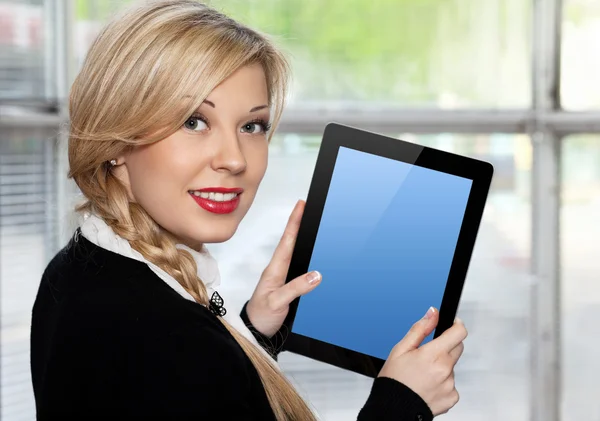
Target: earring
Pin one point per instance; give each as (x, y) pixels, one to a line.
(113, 162)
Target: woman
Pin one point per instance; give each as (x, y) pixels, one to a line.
(170, 123)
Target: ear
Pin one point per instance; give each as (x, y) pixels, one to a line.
(121, 171)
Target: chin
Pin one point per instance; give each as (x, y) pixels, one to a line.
(218, 234)
(208, 229)
(216, 238)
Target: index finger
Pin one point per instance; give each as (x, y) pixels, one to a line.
(283, 252)
(450, 339)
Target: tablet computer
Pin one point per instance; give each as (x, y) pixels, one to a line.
(391, 227)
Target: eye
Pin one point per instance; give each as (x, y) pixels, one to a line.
(195, 123)
(255, 127)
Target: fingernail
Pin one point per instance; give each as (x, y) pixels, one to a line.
(429, 313)
(313, 277)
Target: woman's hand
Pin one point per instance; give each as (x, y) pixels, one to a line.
(269, 304)
(428, 370)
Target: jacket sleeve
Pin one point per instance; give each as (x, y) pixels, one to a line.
(273, 345)
(391, 400)
(388, 400)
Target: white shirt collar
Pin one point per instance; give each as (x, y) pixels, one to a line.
(98, 232)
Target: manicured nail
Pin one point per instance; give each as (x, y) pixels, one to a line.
(429, 313)
(313, 277)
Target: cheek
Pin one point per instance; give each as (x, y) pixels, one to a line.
(258, 156)
(143, 166)
(155, 175)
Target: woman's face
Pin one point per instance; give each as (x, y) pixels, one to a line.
(199, 182)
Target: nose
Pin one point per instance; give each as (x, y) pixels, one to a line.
(229, 156)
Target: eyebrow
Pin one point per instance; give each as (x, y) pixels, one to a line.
(260, 107)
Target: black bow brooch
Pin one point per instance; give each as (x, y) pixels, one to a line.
(216, 305)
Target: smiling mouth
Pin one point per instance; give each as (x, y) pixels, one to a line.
(215, 196)
(217, 200)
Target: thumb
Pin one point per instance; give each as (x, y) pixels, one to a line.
(418, 332)
(283, 296)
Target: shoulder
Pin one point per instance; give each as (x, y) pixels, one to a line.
(112, 318)
(89, 291)
(83, 272)
(81, 267)
(93, 284)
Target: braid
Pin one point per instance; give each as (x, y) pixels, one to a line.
(131, 222)
(129, 93)
(109, 200)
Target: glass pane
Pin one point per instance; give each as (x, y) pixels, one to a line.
(22, 50)
(493, 375)
(580, 67)
(27, 240)
(439, 53)
(580, 273)
(435, 53)
(90, 15)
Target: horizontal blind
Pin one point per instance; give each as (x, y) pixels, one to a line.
(28, 175)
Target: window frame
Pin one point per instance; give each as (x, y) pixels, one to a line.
(546, 123)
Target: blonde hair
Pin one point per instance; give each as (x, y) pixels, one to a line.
(144, 75)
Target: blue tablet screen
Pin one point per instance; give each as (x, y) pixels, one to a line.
(384, 246)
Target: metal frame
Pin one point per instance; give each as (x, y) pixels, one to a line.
(301, 121)
(545, 122)
(546, 364)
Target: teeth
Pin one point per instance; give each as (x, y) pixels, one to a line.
(216, 197)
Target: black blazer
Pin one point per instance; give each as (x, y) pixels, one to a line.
(110, 340)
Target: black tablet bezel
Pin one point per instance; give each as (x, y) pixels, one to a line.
(335, 136)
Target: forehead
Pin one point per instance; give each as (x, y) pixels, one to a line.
(248, 82)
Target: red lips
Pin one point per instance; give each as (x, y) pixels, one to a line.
(221, 190)
(218, 207)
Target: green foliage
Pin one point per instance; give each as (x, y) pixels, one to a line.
(389, 50)
(355, 44)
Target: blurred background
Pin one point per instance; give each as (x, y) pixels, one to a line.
(514, 82)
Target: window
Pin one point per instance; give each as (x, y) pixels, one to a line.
(22, 50)
(28, 193)
(580, 295)
(580, 65)
(437, 53)
(493, 373)
(459, 70)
